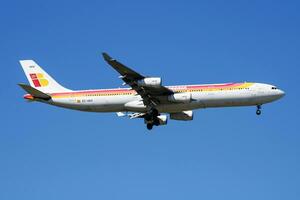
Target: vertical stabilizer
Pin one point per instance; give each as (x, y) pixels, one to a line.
(39, 79)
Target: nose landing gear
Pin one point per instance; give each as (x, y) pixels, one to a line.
(258, 111)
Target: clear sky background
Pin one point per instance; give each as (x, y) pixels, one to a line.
(51, 153)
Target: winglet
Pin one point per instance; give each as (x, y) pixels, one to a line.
(34, 92)
(107, 57)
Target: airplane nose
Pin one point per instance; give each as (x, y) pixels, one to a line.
(281, 93)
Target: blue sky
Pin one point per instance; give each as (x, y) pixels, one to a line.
(53, 153)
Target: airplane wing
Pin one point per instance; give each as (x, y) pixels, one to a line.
(151, 94)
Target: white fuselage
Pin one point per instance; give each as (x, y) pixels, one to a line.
(202, 96)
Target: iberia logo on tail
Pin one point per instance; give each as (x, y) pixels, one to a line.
(39, 80)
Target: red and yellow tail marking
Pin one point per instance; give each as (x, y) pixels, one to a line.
(39, 80)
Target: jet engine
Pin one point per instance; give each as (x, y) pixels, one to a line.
(150, 82)
(158, 121)
(180, 97)
(184, 116)
(163, 119)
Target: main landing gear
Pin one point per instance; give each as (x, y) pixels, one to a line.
(151, 118)
(258, 110)
(149, 126)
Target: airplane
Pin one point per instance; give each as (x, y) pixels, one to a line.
(147, 97)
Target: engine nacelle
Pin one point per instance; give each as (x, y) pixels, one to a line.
(150, 82)
(180, 97)
(163, 119)
(184, 116)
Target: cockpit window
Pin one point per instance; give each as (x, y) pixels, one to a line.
(274, 88)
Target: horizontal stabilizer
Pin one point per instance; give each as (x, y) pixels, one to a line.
(34, 92)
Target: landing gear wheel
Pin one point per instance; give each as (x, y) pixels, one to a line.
(258, 112)
(154, 112)
(156, 122)
(149, 126)
(151, 115)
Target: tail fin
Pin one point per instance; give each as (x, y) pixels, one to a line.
(39, 79)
